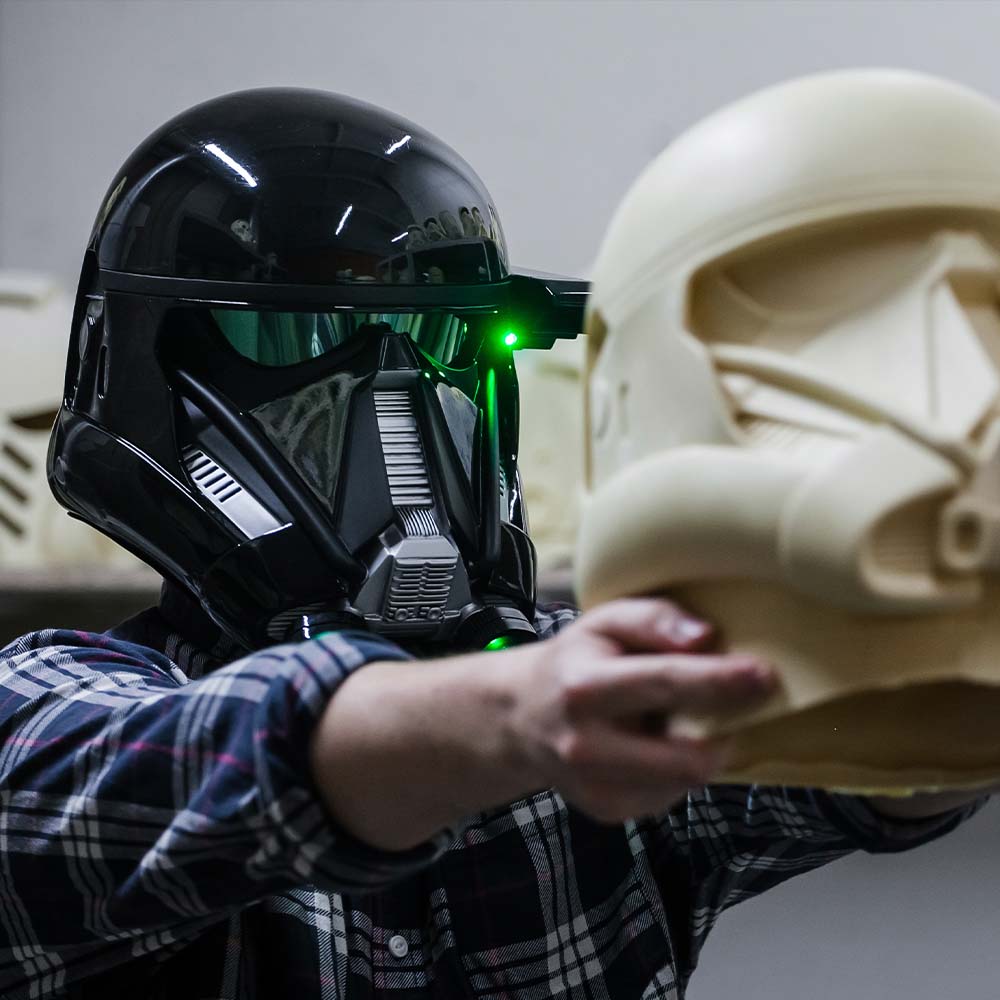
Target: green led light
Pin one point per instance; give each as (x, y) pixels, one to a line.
(510, 338)
(500, 642)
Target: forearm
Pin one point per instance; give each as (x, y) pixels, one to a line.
(406, 749)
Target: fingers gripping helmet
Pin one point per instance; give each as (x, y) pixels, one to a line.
(794, 415)
(290, 385)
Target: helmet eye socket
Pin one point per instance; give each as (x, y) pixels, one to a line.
(279, 339)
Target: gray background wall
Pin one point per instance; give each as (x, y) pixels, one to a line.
(558, 105)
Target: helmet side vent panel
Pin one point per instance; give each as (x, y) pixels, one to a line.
(18, 457)
(12, 501)
(21, 458)
(226, 495)
(11, 526)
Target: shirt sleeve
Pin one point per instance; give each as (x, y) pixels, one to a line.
(552, 618)
(727, 843)
(139, 807)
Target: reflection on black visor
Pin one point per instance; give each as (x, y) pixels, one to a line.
(288, 338)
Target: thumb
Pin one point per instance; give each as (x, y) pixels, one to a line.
(649, 624)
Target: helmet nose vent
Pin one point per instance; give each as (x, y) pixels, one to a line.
(398, 353)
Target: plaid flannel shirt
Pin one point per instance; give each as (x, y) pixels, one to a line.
(160, 837)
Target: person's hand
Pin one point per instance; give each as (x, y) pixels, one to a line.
(593, 717)
(404, 749)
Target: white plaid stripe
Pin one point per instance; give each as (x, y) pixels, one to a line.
(81, 829)
(663, 987)
(41, 967)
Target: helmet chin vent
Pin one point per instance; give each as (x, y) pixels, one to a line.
(240, 507)
(419, 589)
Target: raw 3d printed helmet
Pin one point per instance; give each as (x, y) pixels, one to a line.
(35, 535)
(794, 418)
(290, 385)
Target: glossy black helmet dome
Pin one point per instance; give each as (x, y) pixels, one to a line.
(302, 211)
(292, 187)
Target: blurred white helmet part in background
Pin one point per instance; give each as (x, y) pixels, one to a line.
(35, 533)
(550, 454)
(793, 385)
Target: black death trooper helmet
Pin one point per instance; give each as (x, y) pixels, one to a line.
(290, 383)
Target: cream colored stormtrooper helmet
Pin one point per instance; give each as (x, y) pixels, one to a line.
(793, 391)
(35, 533)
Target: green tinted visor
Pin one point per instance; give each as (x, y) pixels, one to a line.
(277, 339)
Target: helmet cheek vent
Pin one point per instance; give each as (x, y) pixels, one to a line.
(226, 495)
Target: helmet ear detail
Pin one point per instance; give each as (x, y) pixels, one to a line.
(794, 413)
